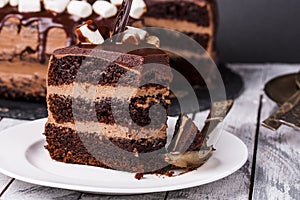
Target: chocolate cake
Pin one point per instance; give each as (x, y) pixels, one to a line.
(108, 104)
(75, 135)
(31, 29)
(101, 96)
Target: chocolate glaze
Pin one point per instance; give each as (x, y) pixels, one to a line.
(47, 20)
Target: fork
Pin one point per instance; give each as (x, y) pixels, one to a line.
(288, 113)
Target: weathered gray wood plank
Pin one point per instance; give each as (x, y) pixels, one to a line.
(241, 121)
(19, 190)
(278, 155)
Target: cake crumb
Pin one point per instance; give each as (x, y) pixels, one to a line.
(169, 173)
(139, 176)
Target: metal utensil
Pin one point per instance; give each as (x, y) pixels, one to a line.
(288, 113)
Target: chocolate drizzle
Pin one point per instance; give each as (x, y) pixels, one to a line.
(47, 20)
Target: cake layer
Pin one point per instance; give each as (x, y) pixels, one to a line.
(67, 145)
(203, 39)
(196, 74)
(193, 11)
(23, 79)
(85, 90)
(142, 140)
(181, 26)
(69, 69)
(116, 131)
(137, 110)
(94, 65)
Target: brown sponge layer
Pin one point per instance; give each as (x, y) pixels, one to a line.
(107, 110)
(66, 145)
(180, 10)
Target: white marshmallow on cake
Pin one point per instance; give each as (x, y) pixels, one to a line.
(138, 8)
(80, 8)
(140, 32)
(26, 6)
(116, 2)
(153, 40)
(105, 9)
(3, 3)
(13, 2)
(57, 6)
(90, 36)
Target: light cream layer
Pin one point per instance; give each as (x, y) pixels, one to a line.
(114, 131)
(185, 26)
(88, 91)
(179, 25)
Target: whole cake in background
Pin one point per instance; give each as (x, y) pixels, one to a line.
(32, 29)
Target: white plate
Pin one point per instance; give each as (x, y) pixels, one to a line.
(22, 156)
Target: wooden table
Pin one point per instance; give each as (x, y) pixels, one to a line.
(271, 172)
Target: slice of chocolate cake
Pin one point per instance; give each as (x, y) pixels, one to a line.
(107, 107)
(31, 29)
(108, 103)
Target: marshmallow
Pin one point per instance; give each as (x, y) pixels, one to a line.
(13, 2)
(57, 6)
(153, 40)
(138, 8)
(80, 8)
(89, 33)
(3, 3)
(140, 32)
(130, 38)
(116, 2)
(105, 9)
(26, 6)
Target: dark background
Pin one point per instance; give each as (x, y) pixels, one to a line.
(258, 31)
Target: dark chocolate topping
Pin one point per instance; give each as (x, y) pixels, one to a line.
(121, 53)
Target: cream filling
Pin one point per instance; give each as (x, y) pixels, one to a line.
(114, 131)
(88, 91)
(183, 26)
